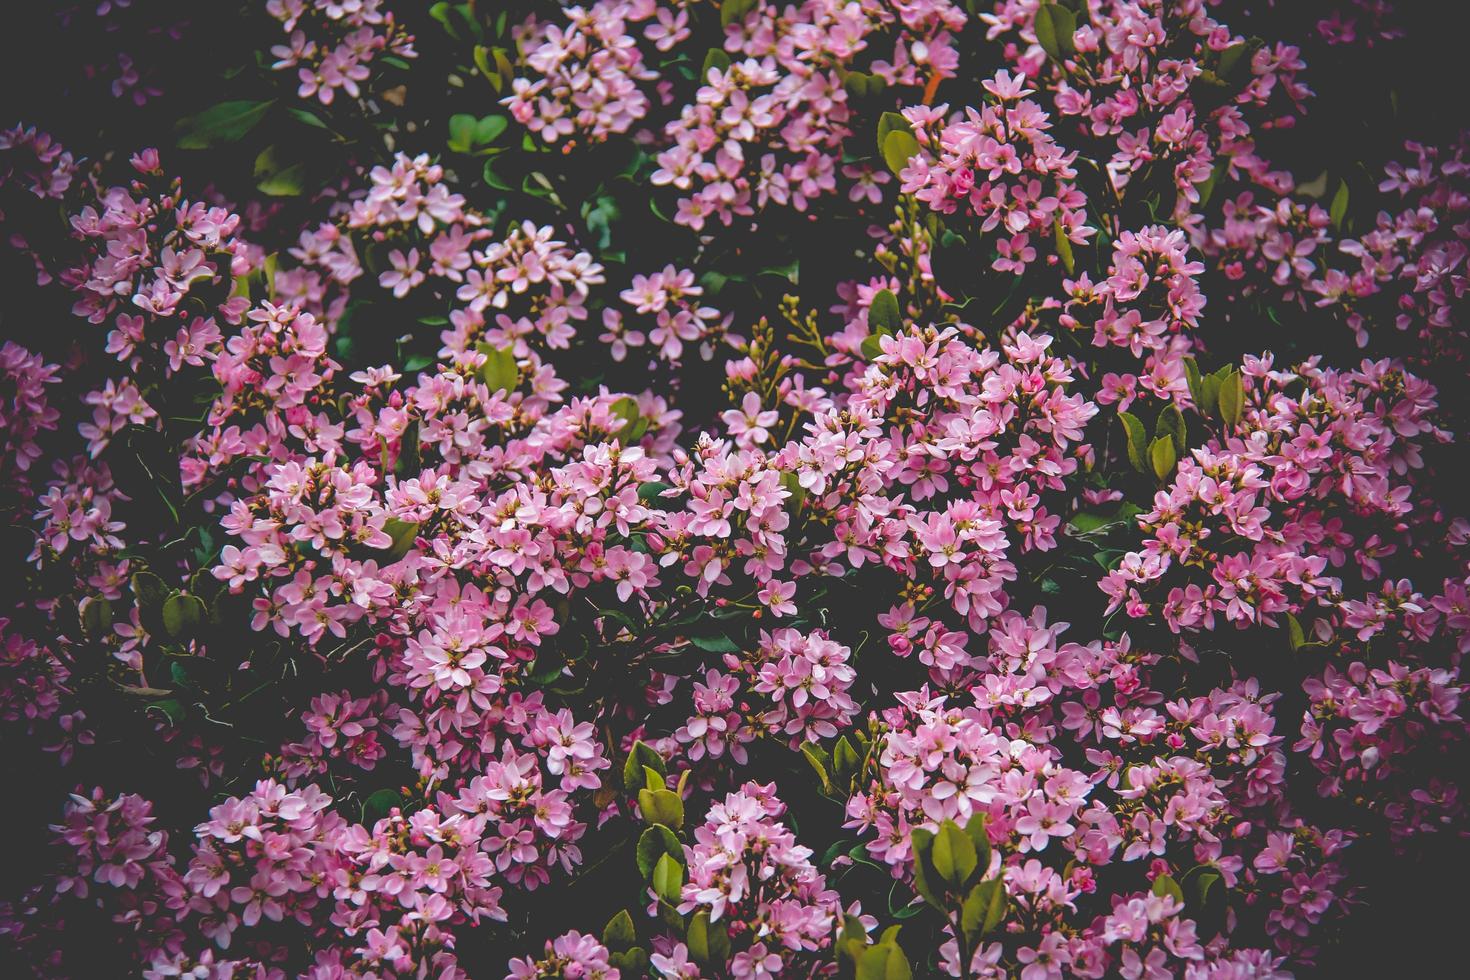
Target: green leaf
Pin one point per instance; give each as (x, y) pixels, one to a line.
(653, 779)
(634, 424)
(96, 617)
(1206, 897)
(1162, 457)
(954, 854)
(481, 55)
(1294, 633)
(872, 347)
(462, 132)
(668, 879)
(492, 179)
(182, 614)
(654, 842)
(1192, 376)
(898, 149)
(734, 10)
(403, 534)
(378, 805)
(715, 644)
(796, 493)
(790, 271)
(984, 909)
(1236, 59)
(715, 58)
(226, 122)
(1207, 188)
(1171, 423)
(814, 757)
(288, 182)
(1087, 523)
(642, 755)
(892, 122)
(1054, 28)
(630, 962)
(306, 118)
(884, 315)
(1232, 399)
(489, 128)
(652, 491)
(149, 594)
(661, 806)
(1137, 439)
(861, 84)
(926, 879)
(975, 829)
(1339, 205)
(845, 759)
(709, 943)
(1166, 885)
(1064, 247)
(884, 961)
(619, 933)
(499, 372)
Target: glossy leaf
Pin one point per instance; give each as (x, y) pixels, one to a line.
(642, 754)
(884, 315)
(898, 149)
(499, 372)
(226, 122)
(1135, 438)
(1162, 457)
(653, 843)
(668, 879)
(1054, 26)
(182, 614)
(619, 933)
(954, 854)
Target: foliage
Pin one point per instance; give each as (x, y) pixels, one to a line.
(727, 489)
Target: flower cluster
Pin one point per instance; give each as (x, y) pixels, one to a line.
(631, 538)
(332, 43)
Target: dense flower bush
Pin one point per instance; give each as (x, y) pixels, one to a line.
(726, 488)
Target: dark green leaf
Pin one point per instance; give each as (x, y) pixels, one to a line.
(1054, 28)
(641, 755)
(182, 614)
(892, 122)
(984, 909)
(619, 933)
(226, 122)
(715, 644)
(1339, 205)
(884, 315)
(732, 11)
(1171, 424)
(1136, 440)
(378, 805)
(654, 842)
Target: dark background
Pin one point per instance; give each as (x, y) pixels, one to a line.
(1368, 102)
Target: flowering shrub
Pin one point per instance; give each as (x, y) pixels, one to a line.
(683, 489)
